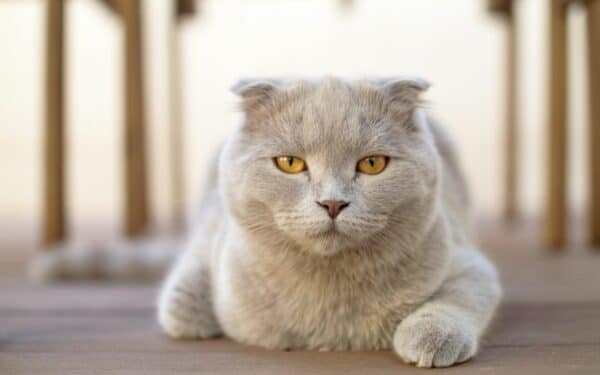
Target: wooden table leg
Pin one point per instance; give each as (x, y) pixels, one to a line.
(136, 200)
(511, 135)
(594, 135)
(505, 9)
(54, 195)
(182, 9)
(556, 231)
(176, 126)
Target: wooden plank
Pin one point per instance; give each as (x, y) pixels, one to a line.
(527, 324)
(593, 22)
(517, 325)
(54, 166)
(544, 360)
(136, 200)
(556, 200)
(87, 299)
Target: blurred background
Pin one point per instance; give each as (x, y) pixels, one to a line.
(189, 63)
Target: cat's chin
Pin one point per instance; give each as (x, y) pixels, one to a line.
(327, 244)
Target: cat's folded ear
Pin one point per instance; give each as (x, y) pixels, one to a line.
(256, 92)
(405, 91)
(404, 97)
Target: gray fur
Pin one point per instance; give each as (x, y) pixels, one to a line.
(401, 271)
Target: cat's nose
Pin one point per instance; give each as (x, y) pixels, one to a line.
(333, 207)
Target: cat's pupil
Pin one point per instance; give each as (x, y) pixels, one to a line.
(290, 160)
(371, 161)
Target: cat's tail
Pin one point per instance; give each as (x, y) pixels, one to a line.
(135, 260)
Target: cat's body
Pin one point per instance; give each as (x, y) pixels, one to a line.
(395, 269)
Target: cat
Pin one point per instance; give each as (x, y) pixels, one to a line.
(339, 220)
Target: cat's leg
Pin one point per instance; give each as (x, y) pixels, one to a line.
(446, 329)
(185, 308)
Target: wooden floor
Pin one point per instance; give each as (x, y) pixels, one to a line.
(549, 324)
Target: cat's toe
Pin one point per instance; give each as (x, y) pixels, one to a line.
(185, 318)
(434, 342)
(180, 328)
(184, 325)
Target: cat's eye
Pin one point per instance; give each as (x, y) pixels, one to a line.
(374, 164)
(290, 164)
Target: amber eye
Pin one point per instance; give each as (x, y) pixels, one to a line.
(290, 164)
(372, 164)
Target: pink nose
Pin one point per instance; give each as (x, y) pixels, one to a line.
(333, 207)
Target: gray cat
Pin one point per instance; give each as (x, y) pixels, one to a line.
(339, 220)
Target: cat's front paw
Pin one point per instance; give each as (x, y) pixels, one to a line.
(184, 315)
(428, 340)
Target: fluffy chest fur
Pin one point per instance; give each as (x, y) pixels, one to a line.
(277, 298)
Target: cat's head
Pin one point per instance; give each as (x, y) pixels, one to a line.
(330, 164)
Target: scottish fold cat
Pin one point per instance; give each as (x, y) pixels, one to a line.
(336, 218)
(339, 221)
